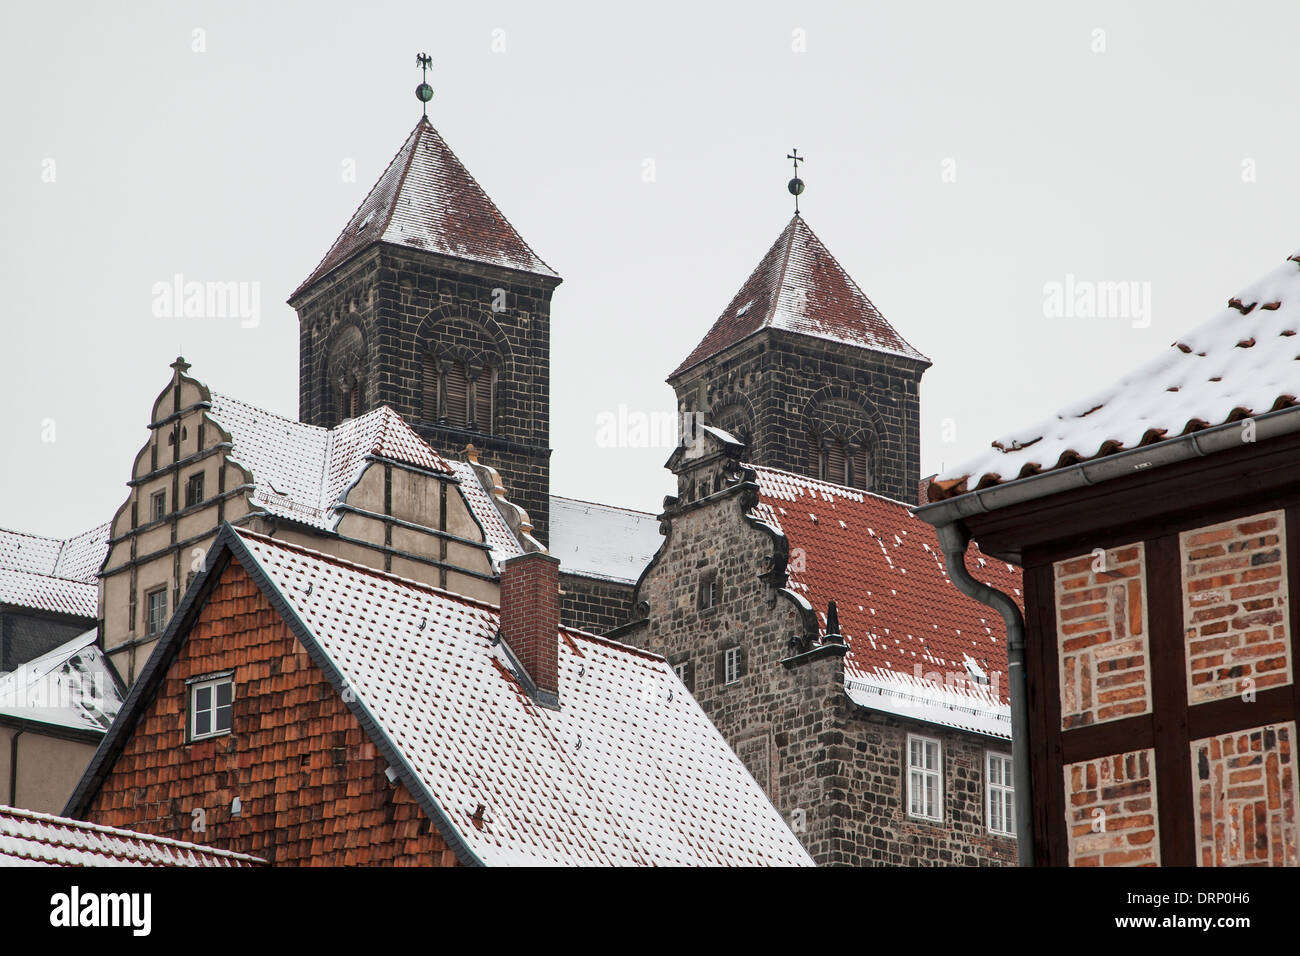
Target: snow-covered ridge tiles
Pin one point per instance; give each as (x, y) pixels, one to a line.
(28, 838)
(917, 645)
(304, 471)
(628, 771)
(1244, 361)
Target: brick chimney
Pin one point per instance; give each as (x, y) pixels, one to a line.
(530, 619)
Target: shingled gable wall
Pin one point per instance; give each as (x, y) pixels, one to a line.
(312, 786)
(407, 304)
(822, 760)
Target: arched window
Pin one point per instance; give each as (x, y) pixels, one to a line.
(347, 373)
(457, 394)
(839, 462)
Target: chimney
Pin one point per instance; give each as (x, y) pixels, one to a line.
(530, 619)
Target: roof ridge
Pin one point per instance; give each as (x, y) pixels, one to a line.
(315, 272)
(416, 134)
(830, 484)
(265, 411)
(6, 810)
(451, 152)
(601, 504)
(788, 235)
(53, 577)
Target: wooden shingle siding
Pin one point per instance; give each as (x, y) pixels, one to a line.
(311, 785)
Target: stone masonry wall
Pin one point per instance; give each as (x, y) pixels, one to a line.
(1236, 607)
(593, 605)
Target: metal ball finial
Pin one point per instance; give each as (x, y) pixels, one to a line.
(795, 186)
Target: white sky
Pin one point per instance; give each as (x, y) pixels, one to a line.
(225, 165)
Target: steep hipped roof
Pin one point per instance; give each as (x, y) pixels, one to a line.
(1243, 362)
(70, 686)
(799, 287)
(28, 838)
(916, 643)
(304, 472)
(602, 541)
(426, 199)
(52, 574)
(628, 770)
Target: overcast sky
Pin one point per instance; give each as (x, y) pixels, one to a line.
(961, 158)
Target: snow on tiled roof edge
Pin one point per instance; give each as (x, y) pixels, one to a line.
(1241, 362)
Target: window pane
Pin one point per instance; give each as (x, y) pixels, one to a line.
(202, 722)
(203, 698)
(225, 691)
(223, 717)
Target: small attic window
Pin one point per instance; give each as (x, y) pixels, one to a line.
(212, 705)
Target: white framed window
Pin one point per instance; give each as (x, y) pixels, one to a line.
(682, 670)
(731, 665)
(924, 778)
(211, 706)
(158, 506)
(156, 616)
(1001, 792)
(708, 591)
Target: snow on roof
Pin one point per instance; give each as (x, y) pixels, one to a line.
(1242, 362)
(426, 199)
(304, 472)
(52, 574)
(496, 532)
(799, 287)
(628, 770)
(28, 838)
(602, 541)
(70, 686)
(911, 633)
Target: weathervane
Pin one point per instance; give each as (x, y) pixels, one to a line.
(795, 185)
(424, 92)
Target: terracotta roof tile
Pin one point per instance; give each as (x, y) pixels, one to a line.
(916, 643)
(800, 287)
(28, 838)
(426, 199)
(1244, 361)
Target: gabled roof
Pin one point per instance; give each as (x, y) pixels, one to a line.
(628, 770)
(1243, 362)
(70, 686)
(602, 541)
(496, 532)
(52, 574)
(426, 199)
(799, 287)
(28, 838)
(916, 643)
(304, 472)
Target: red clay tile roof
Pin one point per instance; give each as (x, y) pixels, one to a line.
(914, 639)
(799, 287)
(28, 838)
(1243, 362)
(426, 199)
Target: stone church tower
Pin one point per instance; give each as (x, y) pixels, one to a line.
(430, 302)
(809, 375)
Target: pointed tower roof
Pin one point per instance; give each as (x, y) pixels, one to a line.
(799, 287)
(426, 199)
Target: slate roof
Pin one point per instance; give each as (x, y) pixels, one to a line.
(798, 286)
(1242, 362)
(52, 574)
(602, 541)
(70, 686)
(628, 770)
(897, 608)
(426, 199)
(304, 472)
(502, 541)
(28, 838)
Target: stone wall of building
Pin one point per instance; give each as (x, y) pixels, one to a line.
(408, 305)
(592, 604)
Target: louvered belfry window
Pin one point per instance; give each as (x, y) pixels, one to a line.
(836, 464)
(836, 461)
(452, 397)
(455, 411)
(429, 389)
(483, 401)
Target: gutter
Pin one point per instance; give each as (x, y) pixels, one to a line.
(947, 515)
(954, 538)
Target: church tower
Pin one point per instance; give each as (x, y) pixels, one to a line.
(430, 302)
(808, 374)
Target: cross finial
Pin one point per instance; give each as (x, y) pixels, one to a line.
(424, 92)
(795, 185)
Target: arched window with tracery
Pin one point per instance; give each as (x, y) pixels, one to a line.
(839, 461)
(346, 374)
(458, 393)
